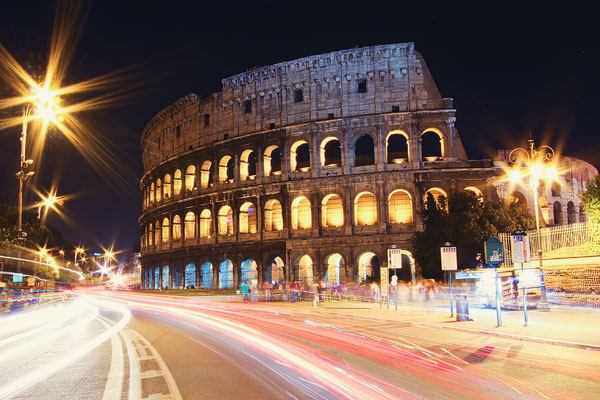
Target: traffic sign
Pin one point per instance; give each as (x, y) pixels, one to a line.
(521, 252)
(494, 251)
(17, 278)
(394, 280)
(449, 261)
(394, 258)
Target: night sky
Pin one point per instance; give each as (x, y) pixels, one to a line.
(511, 69)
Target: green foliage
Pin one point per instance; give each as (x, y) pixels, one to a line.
(465, 222)
(591, 205)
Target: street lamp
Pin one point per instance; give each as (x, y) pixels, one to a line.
(77, 251)
(534, 160)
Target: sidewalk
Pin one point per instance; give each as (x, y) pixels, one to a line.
(562, 326)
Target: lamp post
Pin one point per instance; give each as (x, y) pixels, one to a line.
(534, 158)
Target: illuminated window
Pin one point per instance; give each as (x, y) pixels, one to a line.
(205, 223)
(156, 232)
(165, 230)
(300, 156)
(167, 186)
(177, 182)
(247, 218)
(226, 274)
(364, 151)
(330, 152)
(431, 146)
(365, 209)
(332, 211)
(301, 213)
(225, 221)
(273, 216)
(190, 178)
(272, 161)
(334, 263)
(152, 193)
(247, 165)
(176, 228)
(226, 169)
(400, 207)
(190, 225)
(206, 175)
(158, 195)
(150, 235)
(397, 147)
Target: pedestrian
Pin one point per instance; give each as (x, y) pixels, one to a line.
(245, 291)
(375, 294)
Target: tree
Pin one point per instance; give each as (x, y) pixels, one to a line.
(591, 205)
(465, 221)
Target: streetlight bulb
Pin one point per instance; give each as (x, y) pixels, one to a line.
(551, 173)
(514, 176)
(536, 170)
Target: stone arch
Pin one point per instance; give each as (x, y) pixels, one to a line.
(248, 165)
(330, 152)
(365, 209)
(206, 175)
(157, 278)
(226, 169)
(558, 214)
(167, 186)
(301, 213)
(275, 270)
(206, 273)
(303, 269)
(273, 215)
(247, 218)
(158, 195)
(400, 207)
(190, 178)
(177, 182)
(226, 274)
(152, 193)
(205, 223)
(190, 276)
(475, 190)
(396, 145)
(437, 194)
(332, 211)
(335, 269)
(176, 274)
(165, 277)
(150, 236)
(571, 213)
(368, 267)
(432, 144)
(176, 227)
(156, 233)
(519, 199)
(165, 230)
(190, 225)
(364, 150)
(225, 221)
(272, 161)
(300, 156)
(248, 270)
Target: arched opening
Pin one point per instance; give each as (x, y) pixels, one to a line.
(400, 207)
(176, 228)
(335, 263)
(365, 209)
(165, 277)
(190, 276)
(519, 199)
(368, 267)
(248, 165)
(167, 186)
(439, 196)
(431, 146)
(272, 161)
(206, 175)
(274, 272)
(558, 215)
(476, 191)
(158, 195)
(226, 169)
(156, 232)
(571, 213)
(190, 225)
(249, 270)
(176, 277)
(300, 156)
(152, 193)
(225, 221)
(555, 189)
(330, 152)
(247, 218)
(205, 222)
(397, 148)
(364, 151)
(273, 216)
(301, 213)
(304, 268)
(332, 211)
(206, 273)
(226, 274)
(157, 278)
(150, 235)
(177, 182)
(165, 231)
(190, 178)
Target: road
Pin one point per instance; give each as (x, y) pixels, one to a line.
(113, 345)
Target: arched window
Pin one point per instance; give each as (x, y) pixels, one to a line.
(332, 210)
(190, 178)
(206, 273)
(190, 276)
(167, 186)
(226, 169)
(272, 161)
(156, 233)
(152, 193)
(300, 156)
(158, 195)
(301, 213)
(248, 165)
(397, 147)
(365, 209)
(571, 213)
(206, 175)
(205, 222)
(431, 146)
(225, 221)
(368, 266)
(150, 235)
(437, 194)
(190, 225)
(248, 269)
(247, 218)
(330, 152)
(165, 230)
(305, 270)
(558, 215)
(226, 275)
(177, 182)
(176, 228)
(477, 192)
(334, 263)
(400, 207)
(273, 216)
(364, 151)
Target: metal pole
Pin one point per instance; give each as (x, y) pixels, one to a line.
(524, 294)
(396, 295)
(543, 299)
(451, 302)
(498, 310)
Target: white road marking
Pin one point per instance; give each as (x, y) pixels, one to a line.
(114, 383)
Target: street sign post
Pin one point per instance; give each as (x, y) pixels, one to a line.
(521, 253)
(449, 263)
(494, 255)
(384, 276)
(395, 285)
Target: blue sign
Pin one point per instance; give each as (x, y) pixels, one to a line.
(17, 278)
(494, 251)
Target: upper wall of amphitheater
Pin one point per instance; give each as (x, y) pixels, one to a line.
(386, 79)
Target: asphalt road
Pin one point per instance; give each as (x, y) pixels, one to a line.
(216, 348)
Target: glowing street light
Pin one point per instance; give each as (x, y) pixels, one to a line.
(535, 161)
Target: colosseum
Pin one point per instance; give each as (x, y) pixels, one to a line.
(307, 170)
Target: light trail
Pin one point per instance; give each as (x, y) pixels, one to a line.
(81, 277)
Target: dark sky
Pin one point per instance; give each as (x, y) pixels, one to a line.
(511, 68)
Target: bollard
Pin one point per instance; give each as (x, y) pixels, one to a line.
(462, 309)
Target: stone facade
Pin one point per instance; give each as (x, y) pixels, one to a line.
(304, 170)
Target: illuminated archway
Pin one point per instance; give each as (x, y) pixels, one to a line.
(177, 182)
(206, 273)
(300, 156)
(190, 225)
(274, 271)
(248, 165)
(332, 211)
(176, 228)
(206, 175)
(330, 152)
(249, 270)
(176, 284)
(400, 207)
(190, 178)
(167, 186)
(273, 216)
(226, 169)
(165, 230)
(304, 269)
(396, 145)
(477, 192)
(205, 223)
(301, 213)
(190, 276)
(156, 233)
(334, 263)
(165, 277)
(519, 199)
(226, 274)
(152, 193)
(365, 209)
(432, 148)
(225, 221)
(368, 266)
(437, 194)
(272, 161)
(247, 218)
(158, 195)
(364, 151)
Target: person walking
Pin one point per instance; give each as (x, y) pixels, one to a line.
(245, 291)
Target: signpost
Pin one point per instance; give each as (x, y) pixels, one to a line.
(394, 262)
(395, 285)
(449, 263)
(17, 278)
(521, 253)
(384, 272)
(494, 255)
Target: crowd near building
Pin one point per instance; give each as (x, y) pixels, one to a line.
(307, 170)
